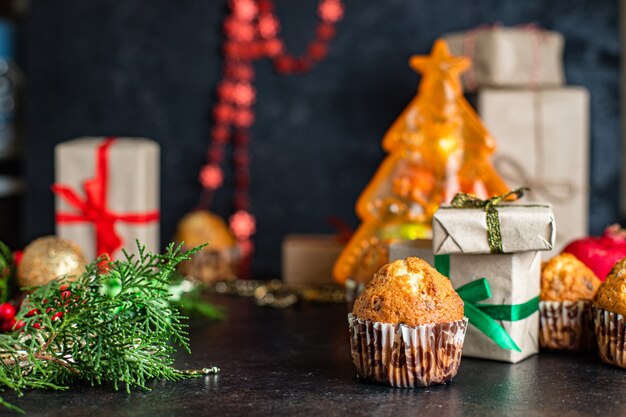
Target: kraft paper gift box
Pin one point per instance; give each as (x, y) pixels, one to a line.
(542, 141)
(513, 279)
(107, 194)
(523, 227)
(309, 259)
(521, 56)
(460, 237)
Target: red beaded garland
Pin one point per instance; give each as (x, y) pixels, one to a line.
(252, 32)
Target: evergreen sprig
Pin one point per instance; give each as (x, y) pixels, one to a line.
(113, 325)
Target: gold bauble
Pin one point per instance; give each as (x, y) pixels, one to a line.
(48, 258)
(219, 259)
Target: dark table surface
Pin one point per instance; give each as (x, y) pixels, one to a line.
(296, 362)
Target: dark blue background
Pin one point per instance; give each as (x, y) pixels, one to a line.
(150, 67)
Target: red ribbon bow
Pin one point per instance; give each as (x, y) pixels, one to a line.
(93, 208)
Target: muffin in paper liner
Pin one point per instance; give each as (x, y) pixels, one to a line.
(566, 325)
(405, 356)
(611, 336)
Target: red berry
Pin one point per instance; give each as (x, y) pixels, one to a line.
(7, 326)
(19, 325)
(66, 294)
(64, 287)
(56, 316)
(37, 325)
(17, 257)
(32, 312)
(7, 311)
(49, 309)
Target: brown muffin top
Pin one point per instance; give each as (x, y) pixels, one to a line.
(611, 295)
(201, 227)
(565, 278)
(410, 292)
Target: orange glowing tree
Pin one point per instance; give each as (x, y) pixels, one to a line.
(437, 147)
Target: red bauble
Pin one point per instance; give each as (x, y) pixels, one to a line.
(243, 224)
(223, 113)
(220, 133)
(274, 47)
(225, 90)
(239, 30)
(268, 26)
(318, 50)
(244, 118)
(325, 31)
(331, 10)
(244, 94)
(211, 176)
(246, 247)
(600, 253)
(7, 312)
(244, 9)
(284, 64)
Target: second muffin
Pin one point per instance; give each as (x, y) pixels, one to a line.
(567, 288)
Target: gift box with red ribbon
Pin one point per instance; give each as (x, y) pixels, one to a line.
(107, 194)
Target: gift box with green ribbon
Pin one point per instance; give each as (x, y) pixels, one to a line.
(501, 295)
(470, 225)
(491, 253)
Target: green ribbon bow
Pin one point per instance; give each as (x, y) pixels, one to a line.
(484, 316)
(494, 236)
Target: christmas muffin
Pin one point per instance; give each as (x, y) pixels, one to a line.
(567, 288)
(216, 261)
(407, 326)
(610, 316)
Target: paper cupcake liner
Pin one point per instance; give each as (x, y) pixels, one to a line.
(611, 335)
(566, 325)
(405, 356)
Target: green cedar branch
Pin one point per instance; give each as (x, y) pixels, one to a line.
(81, 331)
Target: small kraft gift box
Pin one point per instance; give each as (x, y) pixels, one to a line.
(491, 253)
(309, 259)
(543, 143)
(107, 194)
(518, 56)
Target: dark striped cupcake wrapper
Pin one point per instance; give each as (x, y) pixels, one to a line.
(405, 356)
(566, 325)
(611, 336)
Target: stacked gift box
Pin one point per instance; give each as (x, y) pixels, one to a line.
(518, 76)
(497, 277)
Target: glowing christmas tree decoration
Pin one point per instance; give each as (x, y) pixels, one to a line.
(437, 148)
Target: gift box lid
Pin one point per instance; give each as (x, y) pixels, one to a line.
(523, 227)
